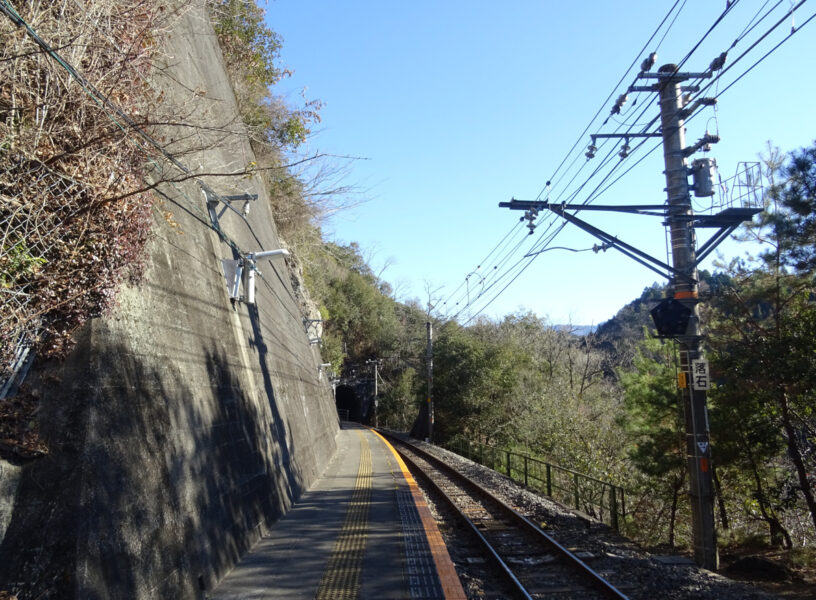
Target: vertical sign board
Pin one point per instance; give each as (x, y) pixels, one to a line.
(700, 379)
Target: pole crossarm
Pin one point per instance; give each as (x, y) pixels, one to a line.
(626, 136)
(656, 88)
(673, 76)
(641, 209)
(727, 221)
(658, 266)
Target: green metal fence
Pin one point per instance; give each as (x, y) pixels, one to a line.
(599, 499)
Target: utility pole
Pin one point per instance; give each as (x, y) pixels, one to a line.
(429, 360)
(676, 317)
(683, 247)
(376, 401)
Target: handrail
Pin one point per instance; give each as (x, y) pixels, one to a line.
(600, 499)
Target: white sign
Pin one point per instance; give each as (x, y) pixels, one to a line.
(699, 375)
(703, 446)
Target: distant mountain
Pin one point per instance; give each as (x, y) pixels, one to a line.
(629, 321)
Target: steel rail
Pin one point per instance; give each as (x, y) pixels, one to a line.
(569, 558)
(488, 547)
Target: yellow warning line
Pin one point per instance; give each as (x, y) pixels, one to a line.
(451, 586)
(341, 580)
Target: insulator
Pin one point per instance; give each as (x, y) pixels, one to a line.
(624, 151)
(648, 62)
(591, 150)
(718, 62)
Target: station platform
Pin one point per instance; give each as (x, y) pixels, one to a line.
(362, 530)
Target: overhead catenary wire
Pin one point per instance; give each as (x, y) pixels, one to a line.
(527, 261)
(571, 151)
(603, 186)
(756, 42)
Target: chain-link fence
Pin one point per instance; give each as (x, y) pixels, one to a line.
(72, 221)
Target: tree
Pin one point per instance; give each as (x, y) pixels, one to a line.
(763, 327)
(797, 194)
(653, 418)
(762, 355)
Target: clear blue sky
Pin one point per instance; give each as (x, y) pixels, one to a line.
(457, 106)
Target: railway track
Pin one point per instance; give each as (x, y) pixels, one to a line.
(532, 563)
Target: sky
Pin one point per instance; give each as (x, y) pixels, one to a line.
(451, 107)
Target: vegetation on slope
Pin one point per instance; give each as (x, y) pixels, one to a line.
(606, 404)
(73, 224)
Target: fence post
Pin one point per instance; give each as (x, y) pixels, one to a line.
(549, 480)
(508, 465)
(613, 506)
(525, 470)
(577, 496)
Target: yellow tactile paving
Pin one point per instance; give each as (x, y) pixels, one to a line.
(451, 586)
(341, 579)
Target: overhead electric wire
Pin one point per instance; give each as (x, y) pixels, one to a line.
(132, 127)
(492, 273)
(604, 185)
(605, 103)
(600, 188)
(514, 278)
(751, 25)
(746, 30)
(756, 42)
(728, 8)
(485, 259)
(499, 276)
(567, 156)
(766, 55)
(632, 166)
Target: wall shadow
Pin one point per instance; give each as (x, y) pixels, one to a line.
(152, 488)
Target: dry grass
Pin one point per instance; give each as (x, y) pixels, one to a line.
(73, 224)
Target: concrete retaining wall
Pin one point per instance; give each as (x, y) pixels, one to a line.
(179, 429)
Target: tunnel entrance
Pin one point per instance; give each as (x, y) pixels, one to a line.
(353, 398)
(348, 403)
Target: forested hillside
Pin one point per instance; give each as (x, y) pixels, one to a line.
(606, 404)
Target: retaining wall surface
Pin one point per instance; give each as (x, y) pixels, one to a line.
(180, 428)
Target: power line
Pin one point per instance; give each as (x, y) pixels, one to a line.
(754, 45)
(132, 127)
(728, 8)
(766, 55)
(600, 188)
(657, 30)
(605, 103)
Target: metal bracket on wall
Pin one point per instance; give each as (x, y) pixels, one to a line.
(245, 198)
(241, 273)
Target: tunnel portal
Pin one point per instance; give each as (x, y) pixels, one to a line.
(357, 399)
